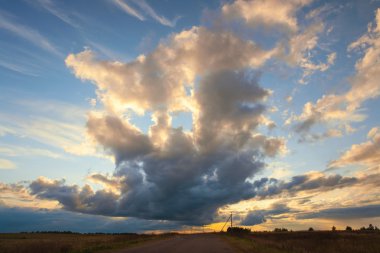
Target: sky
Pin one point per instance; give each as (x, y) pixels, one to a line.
(157, 115)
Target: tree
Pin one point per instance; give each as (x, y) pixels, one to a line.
(333, 228)
(370, 227)
(348, 228)
(311, 229)
(238, 230)
(280, 230)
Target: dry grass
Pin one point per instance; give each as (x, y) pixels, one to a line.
(70, 243)
(307, 242)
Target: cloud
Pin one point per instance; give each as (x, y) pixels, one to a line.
(313, 181)
(343, 213)
(172, 174)
(17, 68)
(367, 153)
(168, 173)
(121, 139)
(253, 218)
(28, 34)
(256, 217)
(193, 52)
(14, 151)
(157, 192)
(149, 11)
(51, 7)
(128, 9)
(110, 183)
(7, 164)
(13, 220)
(272, 13)
(296, 44)
(144, 7)
(74, 198)
(56, 124)
(338, 111)
(184, 176)
(299, 51)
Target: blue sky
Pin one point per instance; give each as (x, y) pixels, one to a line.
(244, 106)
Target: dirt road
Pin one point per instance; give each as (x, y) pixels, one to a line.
(201, 243)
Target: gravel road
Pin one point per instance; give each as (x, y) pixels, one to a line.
(200, 243)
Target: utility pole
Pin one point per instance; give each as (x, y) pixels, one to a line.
(229, 219)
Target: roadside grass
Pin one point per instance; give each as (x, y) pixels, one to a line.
(71, 243)
(306, 242)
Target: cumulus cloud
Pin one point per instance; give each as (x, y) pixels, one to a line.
(168, 173)
(338, 111)
(119, 137)
(161, 79)
(184, 176)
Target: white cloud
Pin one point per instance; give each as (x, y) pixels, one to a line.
(270, 13)
(143, 8)
(366, 153)
(128, 9)
(338, 111)
(6, 164)
(149, 10)
(51, 7)
(192, 52)
(53, 123)
(28, 34)
(13, 150)
(17, 68)
(207, 73)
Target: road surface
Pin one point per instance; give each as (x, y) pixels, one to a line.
(201, 243)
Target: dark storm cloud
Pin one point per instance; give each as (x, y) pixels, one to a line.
(171, 174)
(269, 187)
(118, 138)
(74, 198)
(256, 217)
(253, 218)
(188, 194)
(368, 211)
(13, 220)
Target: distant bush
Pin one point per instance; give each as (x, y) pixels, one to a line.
(369, 228)
(238, 230)
(280, 230)
(348, 228)
(311, 229)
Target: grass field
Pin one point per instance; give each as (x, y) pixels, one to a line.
(256, 242)
(307, 242)
(70, 243)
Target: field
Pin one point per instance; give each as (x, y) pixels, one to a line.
(256, 242)
(308, 242)
(70, 243)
